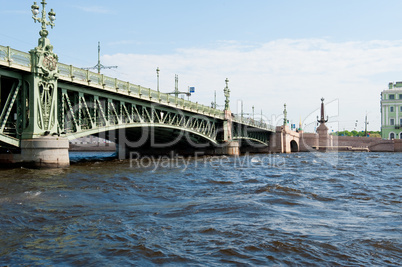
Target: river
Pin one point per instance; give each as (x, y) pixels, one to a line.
(283, 209)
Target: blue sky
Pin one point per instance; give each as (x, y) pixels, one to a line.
(273, 52)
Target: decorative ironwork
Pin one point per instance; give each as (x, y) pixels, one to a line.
(227, 94)
(285, 115)
(52, 17)
(84, 114)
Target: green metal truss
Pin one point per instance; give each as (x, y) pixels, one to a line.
(244, 132)
(88, 113)
(47, 97)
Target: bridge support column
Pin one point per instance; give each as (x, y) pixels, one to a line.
(230, 148)
(323, 137)
(45, 152)
(121, 151)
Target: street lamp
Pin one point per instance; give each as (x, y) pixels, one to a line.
(261, 116)
(285, 114)
(43, 20)
(52, 16)
(227, 94)
(44, 69)
(157, 78)
(35, 9)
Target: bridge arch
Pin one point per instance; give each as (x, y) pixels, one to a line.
(238, 138)
(294, 146)
(185, 132)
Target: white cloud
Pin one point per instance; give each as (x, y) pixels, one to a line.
(95, 9)
(296, 72)
(15, 12)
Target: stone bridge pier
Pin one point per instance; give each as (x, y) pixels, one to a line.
(284, 140)
(45, 152)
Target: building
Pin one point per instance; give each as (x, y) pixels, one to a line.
(90, 140)
(391, 111)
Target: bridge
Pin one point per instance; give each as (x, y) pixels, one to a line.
(45, 103)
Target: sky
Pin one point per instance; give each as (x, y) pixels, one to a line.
(273, 52)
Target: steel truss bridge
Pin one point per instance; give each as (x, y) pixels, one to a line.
(40, 96)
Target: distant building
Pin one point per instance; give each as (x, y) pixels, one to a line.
(90, 140)
(391, 111)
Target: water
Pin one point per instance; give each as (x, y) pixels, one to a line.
(298, 209)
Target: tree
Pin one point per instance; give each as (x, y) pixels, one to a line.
(356, 133)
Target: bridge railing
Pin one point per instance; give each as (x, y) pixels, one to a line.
(252, 122)
(15, 57)
(100, 80)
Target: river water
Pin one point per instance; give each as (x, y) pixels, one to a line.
(284, 209)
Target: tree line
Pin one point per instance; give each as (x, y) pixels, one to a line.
(356, 133)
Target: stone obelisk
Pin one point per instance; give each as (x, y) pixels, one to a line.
(322, 130)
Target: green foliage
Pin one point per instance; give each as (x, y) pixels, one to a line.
(356, 133)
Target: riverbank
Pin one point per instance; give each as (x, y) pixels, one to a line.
(309, 141)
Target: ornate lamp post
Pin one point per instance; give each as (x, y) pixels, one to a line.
(41, 143)
(49, 62)
(52, 17)
(44, 115)
(227, 124)
(227, 94)
(157, 78)
(285, 115)
(232, 147)
(213, 104)
(261, 117)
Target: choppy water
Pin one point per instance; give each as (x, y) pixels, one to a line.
(298, 209)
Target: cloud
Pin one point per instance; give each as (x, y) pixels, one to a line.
(296, 72)
(95, 9)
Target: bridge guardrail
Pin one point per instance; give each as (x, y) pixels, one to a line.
(252, 122)
(3, 53)
(22, 59)
(72, 72)
(15, 57)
